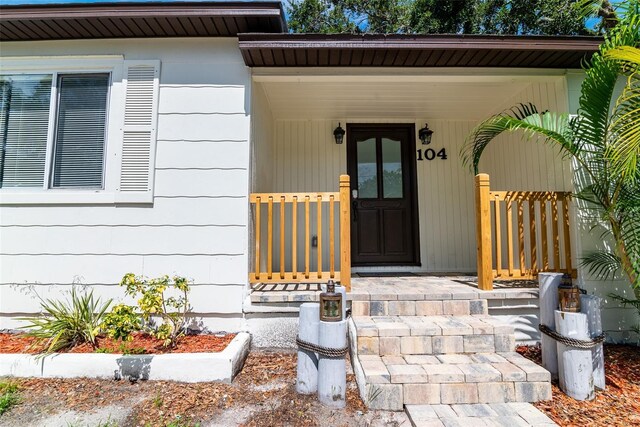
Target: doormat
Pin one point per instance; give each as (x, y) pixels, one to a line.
(386, 274)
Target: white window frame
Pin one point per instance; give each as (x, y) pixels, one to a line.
(55, 66)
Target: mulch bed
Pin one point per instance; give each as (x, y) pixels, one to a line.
(617, 405)
(141, 344)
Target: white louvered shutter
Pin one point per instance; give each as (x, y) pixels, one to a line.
(141, 80)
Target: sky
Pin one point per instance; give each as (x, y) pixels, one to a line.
(590, 23)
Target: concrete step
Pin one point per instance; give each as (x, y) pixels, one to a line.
(475, 415)
(392, 381)
(437, 306)
(428, 335)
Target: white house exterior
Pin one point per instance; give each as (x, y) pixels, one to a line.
(197, 118)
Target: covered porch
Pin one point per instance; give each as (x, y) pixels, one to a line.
(307, 222)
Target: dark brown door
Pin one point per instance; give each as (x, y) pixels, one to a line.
(384, 214)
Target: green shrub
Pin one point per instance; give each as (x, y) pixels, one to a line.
(153, 302)
(65, 324)
(8, 396)
(121, 322)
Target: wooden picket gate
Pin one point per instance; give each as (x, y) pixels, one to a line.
(521, 233)
(287, 207)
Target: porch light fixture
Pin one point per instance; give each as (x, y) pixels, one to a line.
(425, 134)
(338, 134)
(331, 304)
(569, 295)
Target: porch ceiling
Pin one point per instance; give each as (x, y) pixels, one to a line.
(390, 100)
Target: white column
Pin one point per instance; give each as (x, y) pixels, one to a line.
(591, 305)
(575, 367)
(548, 293)
(308, 330)
(332, 372)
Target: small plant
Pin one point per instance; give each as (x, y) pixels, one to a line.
(179, 422)
(124, 349)
(153, 302)
(158, 400)
(373, 393)
(8, 396)
(68, 323)
(121, 322)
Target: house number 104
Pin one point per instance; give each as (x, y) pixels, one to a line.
(430, 154)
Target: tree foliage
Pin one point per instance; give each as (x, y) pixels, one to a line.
(545, 17)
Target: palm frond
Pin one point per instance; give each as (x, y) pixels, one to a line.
(598, 88)
(626, 54)
(623, 149)
(626, 301)
(601, 264)
(551, 127)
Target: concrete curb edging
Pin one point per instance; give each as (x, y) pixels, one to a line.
(183, 367)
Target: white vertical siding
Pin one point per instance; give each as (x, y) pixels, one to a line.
(197, 224)
(306, 158)
(507, 159)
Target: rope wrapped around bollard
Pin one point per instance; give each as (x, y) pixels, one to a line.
(324, 351)
(572, 342)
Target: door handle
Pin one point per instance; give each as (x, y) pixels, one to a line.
(354, 207)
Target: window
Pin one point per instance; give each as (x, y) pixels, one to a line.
(78, 130)
(59, 144)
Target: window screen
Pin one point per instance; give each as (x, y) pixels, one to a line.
(24, 123)
(80, 131)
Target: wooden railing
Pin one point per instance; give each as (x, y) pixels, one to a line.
(287, 207)
(520, 233)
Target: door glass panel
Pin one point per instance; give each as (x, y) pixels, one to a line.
(367, 169)
(391, 168)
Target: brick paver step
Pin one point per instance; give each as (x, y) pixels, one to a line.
(425, 335)
(439, 369)
(454, 379)
(417, 307)
(477, 415)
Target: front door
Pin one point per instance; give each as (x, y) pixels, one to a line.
(384, 214)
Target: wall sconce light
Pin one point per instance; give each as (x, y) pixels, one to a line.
(425, 134)
(338, 134)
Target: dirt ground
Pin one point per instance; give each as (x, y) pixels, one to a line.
(263, 394)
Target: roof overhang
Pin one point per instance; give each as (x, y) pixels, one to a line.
(133, 20)
(373, 50)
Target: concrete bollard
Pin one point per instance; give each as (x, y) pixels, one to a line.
(308, 330)
(591, 305)
(332, 372)
(548, 285)
(575, 366)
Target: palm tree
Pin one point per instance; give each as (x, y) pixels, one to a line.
(603, 141)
